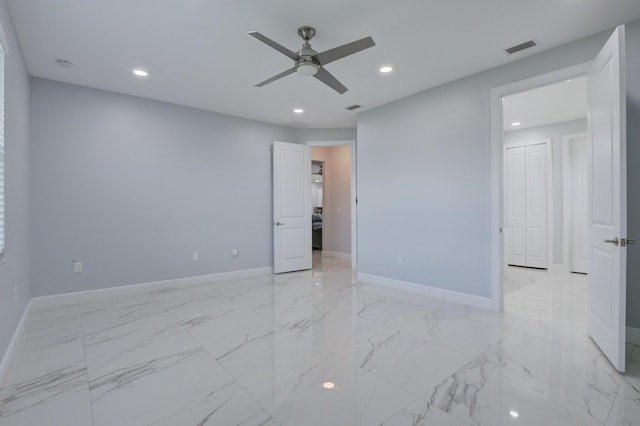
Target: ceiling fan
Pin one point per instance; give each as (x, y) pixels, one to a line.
(309, 62)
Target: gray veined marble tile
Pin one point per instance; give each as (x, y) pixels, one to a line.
(238, 409)
(192, 291)
(408, 362)
(49, 312)
(104, 317)
(35, 391)
(42, 334)
(392, 312)
(300, 397)
(582, 372)
(422, 413)
(45, 351)
(185, 308)
(140, 297)
(226, 332)
(338, 329)
(456, 332)
(155, 390)
(260, 354)
(563, 328)
(254, 296)
(129, 343)
(626, 408)
(484, 393)
(632, 375)
(71, 408)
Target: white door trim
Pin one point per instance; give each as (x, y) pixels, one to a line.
(550, 221)
(566, 200)
(354, 193)
(497, 130)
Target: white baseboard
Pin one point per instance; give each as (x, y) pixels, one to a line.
(17, 335)
(633, 335)
(336, 254)
(96, 295)
(425, 290)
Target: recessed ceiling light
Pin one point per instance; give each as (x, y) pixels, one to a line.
(328, 385)
(298, 110)
(514, 414)
(386, 69)
(515, 123)
(569, 81)
(139, 72)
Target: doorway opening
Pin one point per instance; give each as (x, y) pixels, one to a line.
(607, 199)
(501, 125)
(333, 192)
(544, 193)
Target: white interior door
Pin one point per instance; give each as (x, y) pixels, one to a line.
(515, 184)
(536, 205)
(291, 207)
(578, 166)
(607, 199)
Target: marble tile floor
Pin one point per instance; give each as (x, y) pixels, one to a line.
(319, 348)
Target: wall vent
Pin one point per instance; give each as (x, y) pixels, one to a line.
(355, 106)
(520, 47)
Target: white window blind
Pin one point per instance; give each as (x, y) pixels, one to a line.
(1, 150)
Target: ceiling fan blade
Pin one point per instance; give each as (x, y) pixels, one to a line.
(280, 48)
(345, 50)
(328, 79)
(277, 77)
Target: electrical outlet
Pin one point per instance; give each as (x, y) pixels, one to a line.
(77, 266)
(235, 252)
(196, 256)
(398, 258)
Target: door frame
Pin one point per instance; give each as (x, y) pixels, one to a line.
(354, 193)
(567, 209)
(497, 130)
(550, 207)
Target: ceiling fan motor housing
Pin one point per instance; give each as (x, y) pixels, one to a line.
(306, 65)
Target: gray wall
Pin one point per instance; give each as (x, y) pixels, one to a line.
(555, 132)
(424, 176)
(340, 134)
(132, 187)
(14, 272)
(336, 232)
(633, 172)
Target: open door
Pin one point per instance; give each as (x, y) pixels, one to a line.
(291, 207)
(608, 199)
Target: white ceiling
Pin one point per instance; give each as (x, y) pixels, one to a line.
(553, 103)
(198, 52)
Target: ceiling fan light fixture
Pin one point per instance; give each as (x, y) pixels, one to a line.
(307, 68)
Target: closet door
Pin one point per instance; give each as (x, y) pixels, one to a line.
(516, 207)
(536, 222)
(526, 199)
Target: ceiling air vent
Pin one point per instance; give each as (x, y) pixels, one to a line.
(355, 106)
(520, 47)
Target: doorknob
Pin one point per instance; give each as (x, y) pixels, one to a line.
(279, 223)
(625, 242)
(615, 241)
